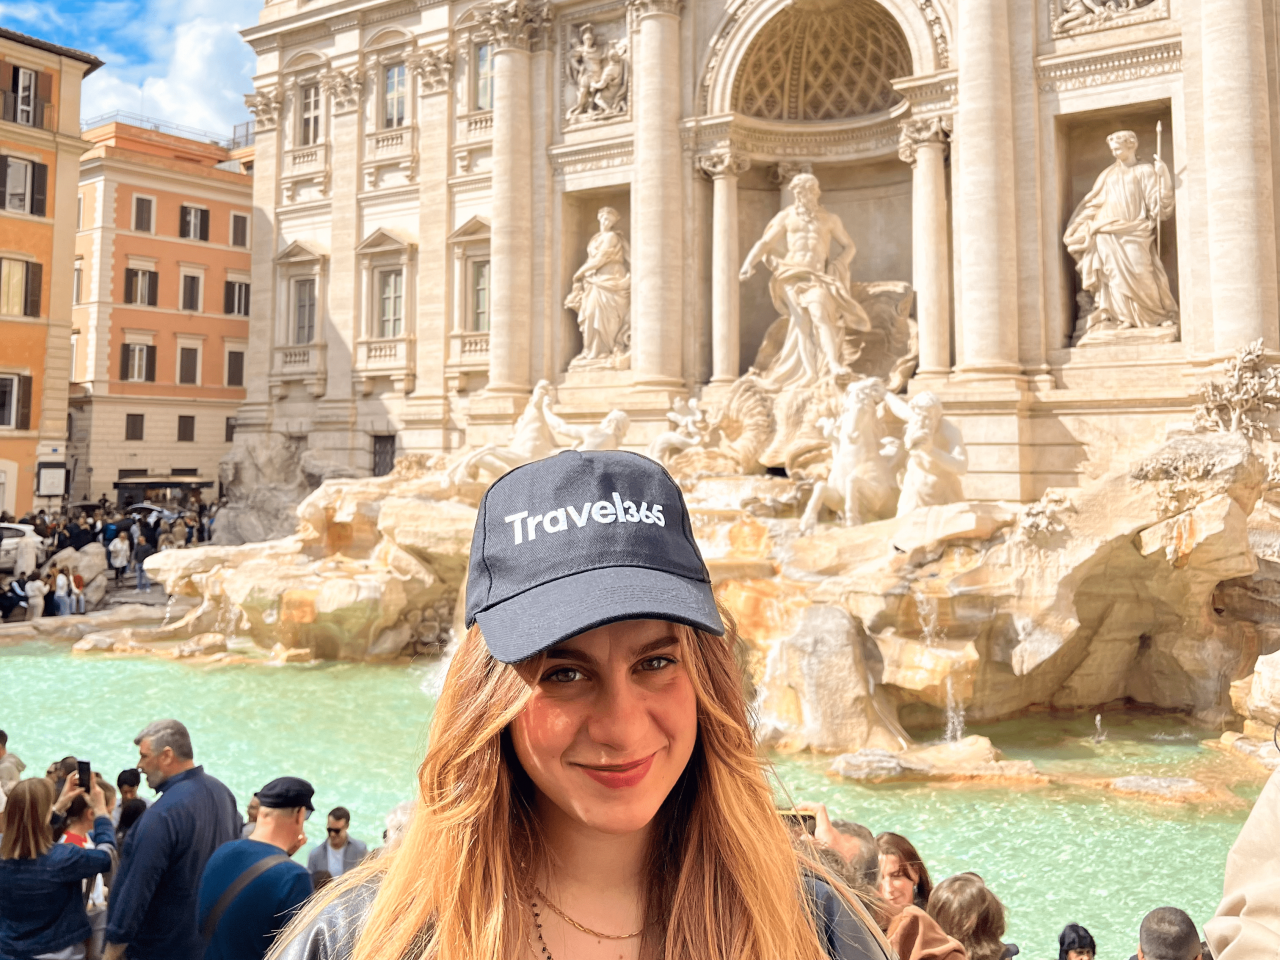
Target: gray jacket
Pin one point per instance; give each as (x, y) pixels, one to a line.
(333, 933)
(352, 854)
(10, 773)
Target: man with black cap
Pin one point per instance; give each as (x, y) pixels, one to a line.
(250, 887)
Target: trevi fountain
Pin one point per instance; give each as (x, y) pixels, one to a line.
(985, 468)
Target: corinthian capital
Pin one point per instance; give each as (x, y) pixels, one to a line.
(512, 24)
(265, 107)
(433, 68)
(344, 87)
(723, 163)
(918, 132)
(643, 8)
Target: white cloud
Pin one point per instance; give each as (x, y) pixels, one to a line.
(189, 65)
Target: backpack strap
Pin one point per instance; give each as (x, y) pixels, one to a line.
(252, 873)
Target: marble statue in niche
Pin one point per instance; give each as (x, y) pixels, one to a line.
(601, 297)
(1114, 237)
(599, 75)
(934, 452)
(808, 286)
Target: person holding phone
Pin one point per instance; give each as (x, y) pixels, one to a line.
(42, 904)
(592, 786)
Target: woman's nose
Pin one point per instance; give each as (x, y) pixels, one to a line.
(619, 718)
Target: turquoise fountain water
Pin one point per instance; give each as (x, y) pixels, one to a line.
(1053, 855)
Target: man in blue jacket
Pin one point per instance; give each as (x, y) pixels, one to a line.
(152, 913)
(251, 888)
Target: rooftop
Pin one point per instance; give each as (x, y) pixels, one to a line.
(94, 62)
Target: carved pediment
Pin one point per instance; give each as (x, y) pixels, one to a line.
(383, 240)
(477, 228)
(299, 252)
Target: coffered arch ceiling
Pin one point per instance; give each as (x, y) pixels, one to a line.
(823, 60)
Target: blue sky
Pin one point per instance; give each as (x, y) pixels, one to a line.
(177, 60)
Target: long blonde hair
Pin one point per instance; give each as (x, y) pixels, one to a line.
(724, 883)
(26, 820)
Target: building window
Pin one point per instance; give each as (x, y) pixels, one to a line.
(239, 230)
(80, 212)
(230, 430)
(480, 296)
(190, 292)
(194, 224)
(304, 310)
(186, 429)
(384, 455)
(77, 281)
(390, 303)
(140, 286)
(394, 96)
(20, 288)
(25, 88)
(133, 426)
(484, 77)
(189, 365)
(23, 185)
(15, 402)
(142, 214)
(235, 298)
(138, 362)
(235, 368)
(310, 132)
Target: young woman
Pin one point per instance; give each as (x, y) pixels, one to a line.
(904, 879)
(966, 909)
(905, 887)
(592, 788)
(42, 907)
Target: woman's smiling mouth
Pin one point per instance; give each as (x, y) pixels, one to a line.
(616, 776)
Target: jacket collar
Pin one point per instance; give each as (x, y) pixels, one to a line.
(177, 778)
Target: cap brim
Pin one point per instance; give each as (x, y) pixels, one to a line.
(543, 616)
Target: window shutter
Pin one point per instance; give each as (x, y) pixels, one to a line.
(35, 279)
(151, 363)
(228, 297)
(4, 161)
(39, 187)
(44, 96)
(124, 361)
(204, 224)
(24, 403)
(153, 288)
(13, 79)
(130, 285)
(183, 220)
(10, 105)
(235, 368)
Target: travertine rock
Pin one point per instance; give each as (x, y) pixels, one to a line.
(817, 693)
(204, 645)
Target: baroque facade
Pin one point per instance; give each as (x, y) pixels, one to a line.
(429, 177)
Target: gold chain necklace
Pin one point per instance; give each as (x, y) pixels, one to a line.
(574, 923)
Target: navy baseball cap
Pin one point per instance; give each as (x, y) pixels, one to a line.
(284, 793)
(578, 540)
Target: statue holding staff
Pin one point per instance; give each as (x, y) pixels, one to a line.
(1113, 237)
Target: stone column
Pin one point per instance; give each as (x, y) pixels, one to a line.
(460, 289)
(657, 205)
(923, 144)
(986, 234)
(513, 26)
(1237, 150)
(724, 167)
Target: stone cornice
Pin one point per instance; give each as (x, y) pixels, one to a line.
(1056, 74)
(325, 21)
(766, 142)
(931, 95)
(600, 155)
(645, 8)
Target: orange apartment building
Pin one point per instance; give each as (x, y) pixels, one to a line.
(161, 317)
(40, 150)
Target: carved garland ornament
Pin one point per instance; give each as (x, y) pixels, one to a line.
(723, 163)
(1068, 18)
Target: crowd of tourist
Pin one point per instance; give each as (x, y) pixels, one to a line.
(33, 589)
(100, 872)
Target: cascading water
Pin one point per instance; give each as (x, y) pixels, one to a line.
(927, 615)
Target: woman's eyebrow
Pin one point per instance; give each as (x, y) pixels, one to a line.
(568, 653)
(655, 645)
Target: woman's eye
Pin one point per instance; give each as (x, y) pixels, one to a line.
(563, 675)
(656, 663)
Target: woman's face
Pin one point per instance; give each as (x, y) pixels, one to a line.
(611, 725)
(897, 881)
(1079, 955)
